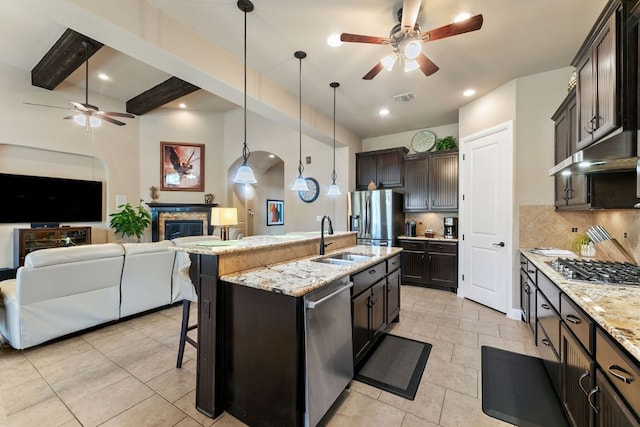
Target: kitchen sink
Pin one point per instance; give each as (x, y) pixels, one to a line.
(344, 258)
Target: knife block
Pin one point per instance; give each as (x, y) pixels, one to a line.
(611, 250)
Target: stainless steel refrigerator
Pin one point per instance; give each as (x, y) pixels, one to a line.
(377, 216)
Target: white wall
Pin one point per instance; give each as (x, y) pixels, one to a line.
(403, 139)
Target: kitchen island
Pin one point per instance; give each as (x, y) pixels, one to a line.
(251, 320)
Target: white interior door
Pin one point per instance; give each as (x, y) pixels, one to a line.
(486, 212)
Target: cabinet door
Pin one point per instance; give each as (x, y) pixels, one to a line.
(612, 411)
(393, 296)
(525, 295)
(586, 99)
(443, 181)
(443, 270)
(365, 170)
(604, 63)
(378, 297)
(390, 169)
(416, 184)
(413, 267)
(360, 313)
(578, 193)
(577, 380)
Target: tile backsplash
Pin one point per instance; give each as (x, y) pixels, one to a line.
(542, 226)
(429, 220)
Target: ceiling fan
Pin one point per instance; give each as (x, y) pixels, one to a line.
(406, 39)
(86, 114)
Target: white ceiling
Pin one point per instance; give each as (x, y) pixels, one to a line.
(518, 38)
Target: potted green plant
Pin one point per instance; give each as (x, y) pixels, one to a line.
(446, 143)
(130, 221)
(582, 245)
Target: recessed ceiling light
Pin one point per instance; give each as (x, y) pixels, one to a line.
(469, 92)
(103, 76)
(182, 105)
(383, 111)
(461, 17)
(334, 40)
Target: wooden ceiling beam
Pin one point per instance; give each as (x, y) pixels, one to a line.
(165, 92)
(64, 57)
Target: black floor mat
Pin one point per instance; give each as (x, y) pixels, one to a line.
(395, 365)
(517, 389)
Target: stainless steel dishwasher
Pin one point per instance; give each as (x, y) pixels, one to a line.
(328, 347)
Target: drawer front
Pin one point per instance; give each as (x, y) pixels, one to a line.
(393, 263)
(549, 355)
(523, 262)
(578, 322)
(532, 271)
(366, 278)
(549, 319)
(549, 289)
(413, 245)
(618, 367)
(442, 247)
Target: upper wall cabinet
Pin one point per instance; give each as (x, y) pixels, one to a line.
(384, 167)
(605, 68)
(431, 182)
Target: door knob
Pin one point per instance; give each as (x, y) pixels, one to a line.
(501, 244)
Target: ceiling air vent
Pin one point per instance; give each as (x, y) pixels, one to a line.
(405, 97)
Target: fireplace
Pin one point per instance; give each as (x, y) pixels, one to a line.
(171, 220)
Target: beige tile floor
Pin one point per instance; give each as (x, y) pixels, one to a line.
(124, 374)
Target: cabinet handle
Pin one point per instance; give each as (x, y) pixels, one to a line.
(545, 306)
(622, 378)
(573, 319)
(531, 271)
(590, 396)
(582, 377)
(546, 342)
(372, 271)
(527, 289)
(523, 262)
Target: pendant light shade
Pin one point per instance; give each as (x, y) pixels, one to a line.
(334, 190)
(244, 174)
(300, 183)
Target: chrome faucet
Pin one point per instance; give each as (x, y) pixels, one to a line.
(329, 231)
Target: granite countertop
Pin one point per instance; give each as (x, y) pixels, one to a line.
(436, 238)
(301, 276)
(614, 307)
(219, 247)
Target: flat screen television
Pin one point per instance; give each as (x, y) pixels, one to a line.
(41, 199)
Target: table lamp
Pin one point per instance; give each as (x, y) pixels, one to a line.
(224, 217)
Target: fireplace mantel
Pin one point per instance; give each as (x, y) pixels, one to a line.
(177, 211)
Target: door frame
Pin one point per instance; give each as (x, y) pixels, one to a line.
(512, 311)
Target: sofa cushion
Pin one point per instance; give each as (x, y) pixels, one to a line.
(52, 256)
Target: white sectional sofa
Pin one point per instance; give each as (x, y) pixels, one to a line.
(63, 290)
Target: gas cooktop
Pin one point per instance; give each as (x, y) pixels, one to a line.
(605, 272)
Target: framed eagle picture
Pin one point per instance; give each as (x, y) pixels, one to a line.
(181, 166)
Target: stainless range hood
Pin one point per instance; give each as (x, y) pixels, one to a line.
(616, 152)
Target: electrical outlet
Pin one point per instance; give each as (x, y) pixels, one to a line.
(574, 229)
(624, 234)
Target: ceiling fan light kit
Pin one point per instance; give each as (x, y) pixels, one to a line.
(300, 183)
(244, 174)
(406, 40)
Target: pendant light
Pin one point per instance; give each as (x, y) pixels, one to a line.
(300, 183)
(333, 188)
(245, 174)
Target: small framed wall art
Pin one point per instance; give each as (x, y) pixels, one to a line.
(275, 212)
(181, 166)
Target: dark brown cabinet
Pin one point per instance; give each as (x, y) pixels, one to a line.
(528, 290)
(578, 371)
(597, 91)
(361, 328)
(384, 167)
(571, 191)
(612, 411)
(393, 296)
(431, 182)
(432, 263)
(26, 240)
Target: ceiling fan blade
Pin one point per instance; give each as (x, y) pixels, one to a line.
(410, 9)
(79, 106)
(357, 38)
(111, 113)
(373, 72)
(471, 24)
(69, 117)
(44, 105)
(426, 65)
(110, 120)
